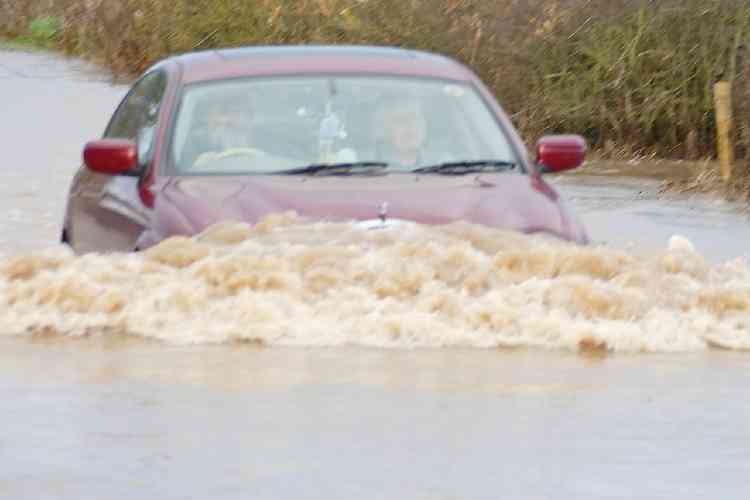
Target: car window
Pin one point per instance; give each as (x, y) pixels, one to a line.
(136, 117)
(263, 125)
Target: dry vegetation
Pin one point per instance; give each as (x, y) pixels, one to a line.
(708, 181)
(634, 76)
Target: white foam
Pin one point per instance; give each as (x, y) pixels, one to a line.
(288, 282)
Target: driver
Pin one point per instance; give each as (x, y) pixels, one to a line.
(400, 132)
(223, 124)
(229, 126)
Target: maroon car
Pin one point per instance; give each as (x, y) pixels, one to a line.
(337, 133)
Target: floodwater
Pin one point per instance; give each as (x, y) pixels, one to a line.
(318, 361)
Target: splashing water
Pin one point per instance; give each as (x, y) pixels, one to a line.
(286, 281)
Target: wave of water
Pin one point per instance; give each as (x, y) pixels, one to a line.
(290, 282)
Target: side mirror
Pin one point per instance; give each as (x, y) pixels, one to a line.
(111, 156)
(555, 153)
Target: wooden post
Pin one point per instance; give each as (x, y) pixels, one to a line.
(723, 103)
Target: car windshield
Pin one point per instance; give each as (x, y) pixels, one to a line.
(272, 125)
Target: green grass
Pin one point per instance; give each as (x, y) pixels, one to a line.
(46, 29)
(24, 43)
(42, 33)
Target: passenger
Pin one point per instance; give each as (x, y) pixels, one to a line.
(400, 132)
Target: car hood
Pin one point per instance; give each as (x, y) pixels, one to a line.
(187, 205)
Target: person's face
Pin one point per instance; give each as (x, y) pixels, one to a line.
(228, 128)
(406, 129)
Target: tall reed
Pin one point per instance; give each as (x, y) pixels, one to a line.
(631, 75)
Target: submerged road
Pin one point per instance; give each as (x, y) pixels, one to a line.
(121, 418)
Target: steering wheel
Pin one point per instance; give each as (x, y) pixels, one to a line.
(228, 153)
(239, 152)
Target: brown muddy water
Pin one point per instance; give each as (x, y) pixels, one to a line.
(321, 361)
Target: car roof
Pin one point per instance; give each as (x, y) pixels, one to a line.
(317, 59)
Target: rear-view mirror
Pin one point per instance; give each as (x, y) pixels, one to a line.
(556, 153)
(111, 156)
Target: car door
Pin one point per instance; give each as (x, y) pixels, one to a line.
(105, 212)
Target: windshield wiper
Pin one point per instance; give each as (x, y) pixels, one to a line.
(467, 167)
(348, 168)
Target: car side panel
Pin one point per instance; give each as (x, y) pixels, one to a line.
(105, 213)
(90, 227)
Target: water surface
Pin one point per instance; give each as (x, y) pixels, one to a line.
(112, 390)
